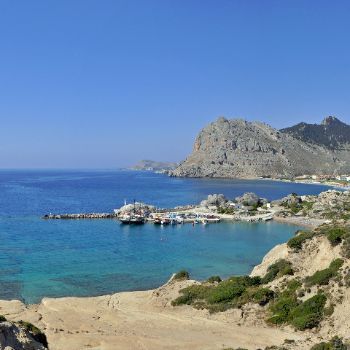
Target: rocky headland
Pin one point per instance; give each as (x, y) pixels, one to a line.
(240, 149)
(151, 165)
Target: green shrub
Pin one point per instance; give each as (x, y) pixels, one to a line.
(2, 318)
(322, 346)
(307, 205)
(226, 291)
(295, 208)
(286, 308)
(278, 269)
(232, 292)
(298, 240)
(226, 210)
(182, 275)
(308, 314)
(322, 277)
(191, 294)
(335, 343)
(213, 279)
(281, 309)
(292, 286)
(285, 302)
(335, 235)
(261, 296)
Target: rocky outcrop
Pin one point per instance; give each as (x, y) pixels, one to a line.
(214, 199)
(13, 337)
(242, 149)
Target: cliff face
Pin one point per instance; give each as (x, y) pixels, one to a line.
(237, 148)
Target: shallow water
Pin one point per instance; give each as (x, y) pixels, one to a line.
(91, 257)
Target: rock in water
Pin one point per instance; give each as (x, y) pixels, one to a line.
(242, 149)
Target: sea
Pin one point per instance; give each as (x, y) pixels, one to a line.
(55, 258)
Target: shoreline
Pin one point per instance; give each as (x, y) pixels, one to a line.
(309, 182)
(300, 221)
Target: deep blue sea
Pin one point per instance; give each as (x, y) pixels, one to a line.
(92, 257)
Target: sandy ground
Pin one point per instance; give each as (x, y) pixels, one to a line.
(142, 320)
(300, 221)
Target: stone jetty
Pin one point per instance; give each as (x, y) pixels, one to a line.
(81, 216)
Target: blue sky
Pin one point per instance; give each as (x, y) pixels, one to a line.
(101, 84)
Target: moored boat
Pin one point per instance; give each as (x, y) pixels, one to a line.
(132, 219)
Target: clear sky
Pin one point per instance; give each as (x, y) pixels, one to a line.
(103, 83)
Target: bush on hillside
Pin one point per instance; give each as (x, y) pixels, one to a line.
(278, 269)
(214, 279)
(322, 277)
(335, 343)
(335, 235)
(233, 292)
(182, 275)
(308, 314)
(299, 239)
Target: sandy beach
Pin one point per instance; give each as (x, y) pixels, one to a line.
(300, 221)
(143, 320)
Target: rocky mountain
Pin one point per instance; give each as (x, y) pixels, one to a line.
(331, 133)
(152, 165)
(238, 148)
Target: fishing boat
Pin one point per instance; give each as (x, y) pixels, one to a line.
(161, 220)
(135, 218)
(132, 219)
(213, 219)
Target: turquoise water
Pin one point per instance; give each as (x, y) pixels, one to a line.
(92, 257)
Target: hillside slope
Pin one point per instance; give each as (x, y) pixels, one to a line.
(331, 133)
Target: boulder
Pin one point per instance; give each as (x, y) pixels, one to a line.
(214, 200)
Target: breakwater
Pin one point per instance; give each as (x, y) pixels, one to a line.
(81, 216)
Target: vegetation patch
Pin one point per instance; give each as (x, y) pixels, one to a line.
(287, 309)
(299, 239)
(233, 292)
(335, 343)
(280, 268)
(2, 318)
(214, 279)
(308, 314)
(181, 275)
(322, 277)
(335, 235)
(284, 303)
(226, 210)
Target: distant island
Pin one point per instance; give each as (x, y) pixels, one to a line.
(236, 148)
(151, 165)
